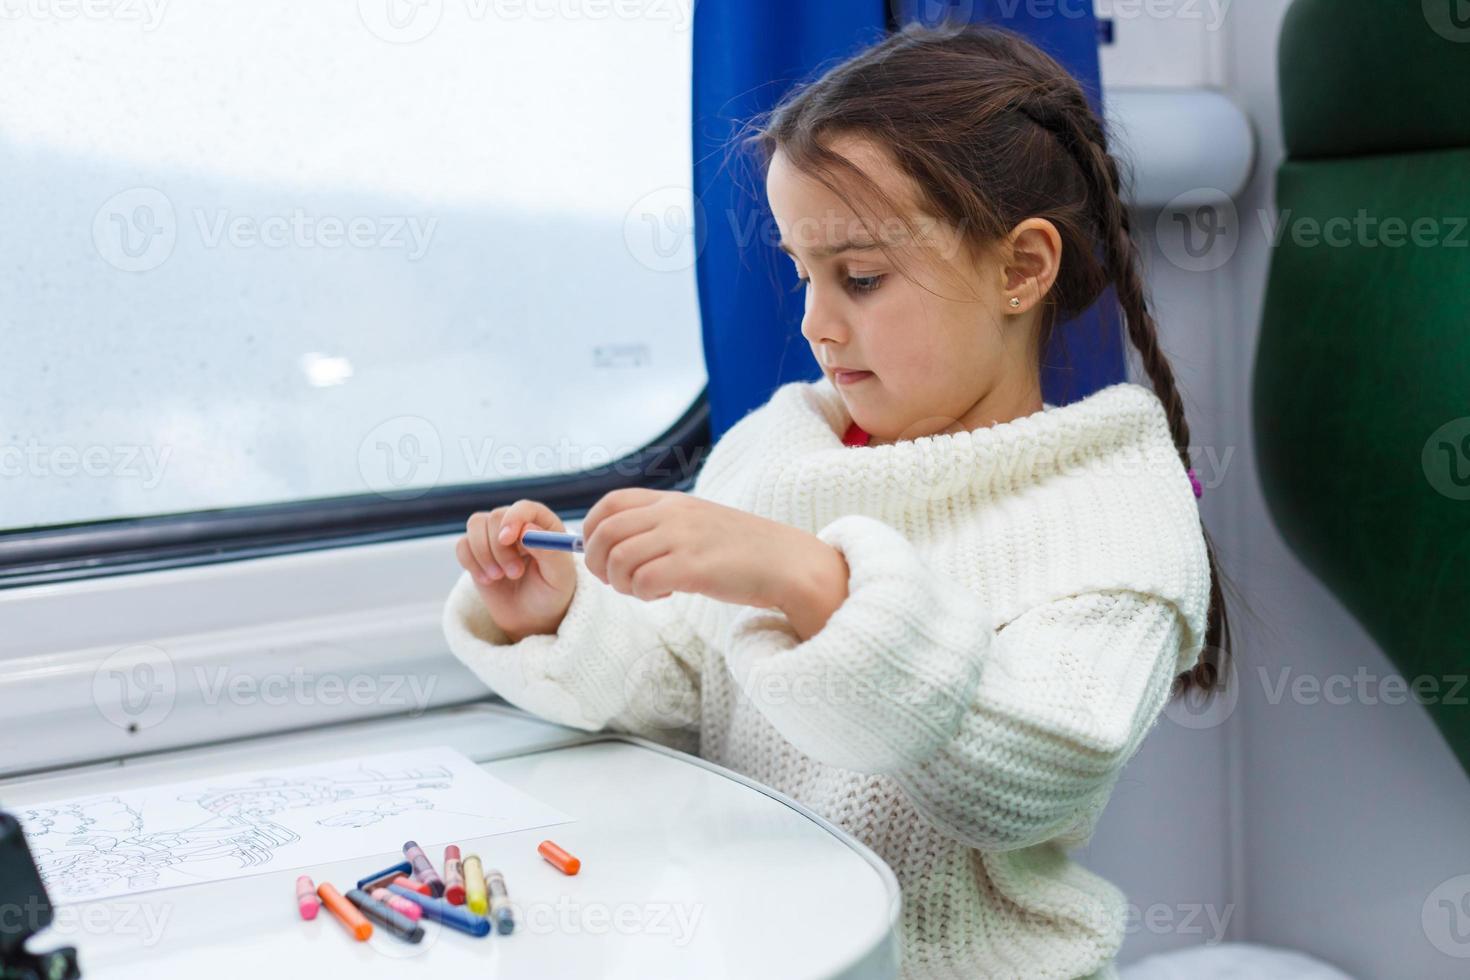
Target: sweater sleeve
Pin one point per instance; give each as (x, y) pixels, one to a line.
(616, 663)
(1002, 735)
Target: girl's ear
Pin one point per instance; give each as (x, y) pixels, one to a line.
(1034, 250)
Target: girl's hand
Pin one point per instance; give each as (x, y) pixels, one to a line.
(652, 543)
(526, 591)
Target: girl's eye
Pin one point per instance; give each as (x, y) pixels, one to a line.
(857, 284)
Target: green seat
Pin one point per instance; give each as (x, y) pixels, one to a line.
(1362, 379)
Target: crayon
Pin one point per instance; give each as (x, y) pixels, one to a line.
(306, 901)
(345, 911)
(422, 869)
(399, 903)
(499, 902)
(394, 921)
(407, 881)
(438, 910)
(383, 877)
(563, 861)
(474, 886)
(453, 876)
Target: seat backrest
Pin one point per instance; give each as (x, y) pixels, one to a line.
(1362, 377)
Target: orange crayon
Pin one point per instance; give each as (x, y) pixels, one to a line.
(563, 861)
(345, 911)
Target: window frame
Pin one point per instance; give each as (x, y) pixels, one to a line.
(119, 546)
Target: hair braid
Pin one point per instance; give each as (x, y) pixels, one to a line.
(1066, 115)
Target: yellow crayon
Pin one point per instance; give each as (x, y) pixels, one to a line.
(474, 885)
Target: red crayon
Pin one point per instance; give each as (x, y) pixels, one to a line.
(453, 876)
(409, 881)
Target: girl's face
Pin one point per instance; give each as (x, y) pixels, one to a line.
(944, 351)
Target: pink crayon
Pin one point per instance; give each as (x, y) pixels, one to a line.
(306, 901)
(422, 869)
(398, 903)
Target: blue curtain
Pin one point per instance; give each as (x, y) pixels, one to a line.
(749, 53)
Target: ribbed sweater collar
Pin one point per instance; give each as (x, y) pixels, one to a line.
(807, 477)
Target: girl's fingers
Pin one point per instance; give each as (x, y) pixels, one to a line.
(615, 502)
(508, 554)
(654, 579)
(506, 545)
(611, 531)
(477, 536)
(630, 555)
(467, 561)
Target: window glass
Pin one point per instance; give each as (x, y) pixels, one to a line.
(268, 251)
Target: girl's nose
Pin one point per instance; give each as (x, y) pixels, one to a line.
(822, 323)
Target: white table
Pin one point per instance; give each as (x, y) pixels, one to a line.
(688, 870)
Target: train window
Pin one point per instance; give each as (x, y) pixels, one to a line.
(279, 252)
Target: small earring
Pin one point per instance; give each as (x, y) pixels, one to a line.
(1015, 302)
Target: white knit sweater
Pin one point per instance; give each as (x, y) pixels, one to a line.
(1020, 598)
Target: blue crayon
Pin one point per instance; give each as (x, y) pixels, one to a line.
(553, 541)
(454, 916)
(383, 877)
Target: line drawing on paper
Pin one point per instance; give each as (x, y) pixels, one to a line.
(97, 845)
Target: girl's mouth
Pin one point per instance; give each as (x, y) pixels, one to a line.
(850, 377)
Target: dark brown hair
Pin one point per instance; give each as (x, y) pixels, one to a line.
(992, 131)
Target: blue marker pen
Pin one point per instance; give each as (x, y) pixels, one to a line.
(552, 540)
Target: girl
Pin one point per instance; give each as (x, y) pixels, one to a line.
(910, 595)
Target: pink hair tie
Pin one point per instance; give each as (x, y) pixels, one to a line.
(1199, 491)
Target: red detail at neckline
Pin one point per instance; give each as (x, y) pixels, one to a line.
(855, 436)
